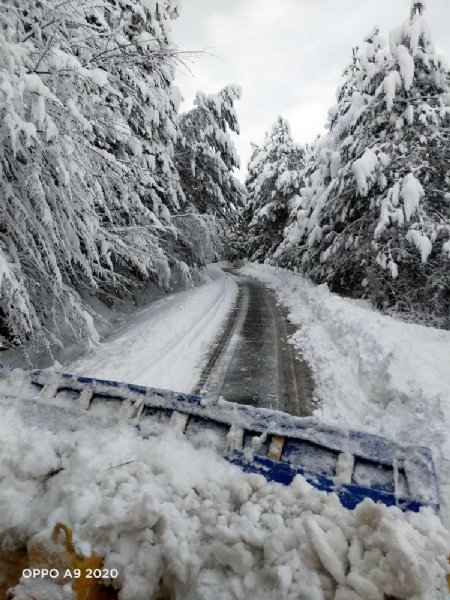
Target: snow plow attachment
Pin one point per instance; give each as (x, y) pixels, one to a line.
(352, 464)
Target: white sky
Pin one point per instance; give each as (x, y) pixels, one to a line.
(288, 55)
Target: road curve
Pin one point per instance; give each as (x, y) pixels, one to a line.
(252, 362)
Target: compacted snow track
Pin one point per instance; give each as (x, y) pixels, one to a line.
(253, 363)
(166, 344)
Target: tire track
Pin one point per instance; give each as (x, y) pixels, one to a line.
(214, 373)
(253, 361)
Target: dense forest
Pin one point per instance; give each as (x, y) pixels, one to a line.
(106, 186)
(366, 208)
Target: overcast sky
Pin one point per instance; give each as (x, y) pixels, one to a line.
(288, 55)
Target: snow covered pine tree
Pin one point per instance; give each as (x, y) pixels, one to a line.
(206, 158)
(375, 215)
(88, 122)
(273, 185)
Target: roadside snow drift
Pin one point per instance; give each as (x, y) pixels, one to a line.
(369, 369)
(160, 510)
(166, 344)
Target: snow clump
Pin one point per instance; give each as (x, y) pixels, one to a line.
(165, 513)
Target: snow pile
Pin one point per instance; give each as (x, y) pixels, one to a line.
(164, 513)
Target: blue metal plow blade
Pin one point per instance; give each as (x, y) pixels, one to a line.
(355, 465)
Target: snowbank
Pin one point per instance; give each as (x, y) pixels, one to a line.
(371, 371)
(160, 510)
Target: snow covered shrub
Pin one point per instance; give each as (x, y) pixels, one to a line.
(206, 158)
(273, 185)
(88, 123)
(374, 220)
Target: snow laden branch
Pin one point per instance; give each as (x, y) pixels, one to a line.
(88, 128)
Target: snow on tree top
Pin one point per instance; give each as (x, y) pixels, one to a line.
(373, 188)
(370, 36)
(413, 33)
(418, 6)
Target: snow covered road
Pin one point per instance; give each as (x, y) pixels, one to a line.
(165, 345)
(255, 364)
(175, 341)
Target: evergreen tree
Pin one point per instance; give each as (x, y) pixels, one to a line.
(375, 217)
(88, 122)
(273, 185)
(206, 159)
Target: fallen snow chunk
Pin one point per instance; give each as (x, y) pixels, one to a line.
(345, 593)
(344, 468)
(285, 577)
(328, 557)
(364, 587)
(42, 589)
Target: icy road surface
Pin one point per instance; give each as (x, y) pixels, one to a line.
(166, 345)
